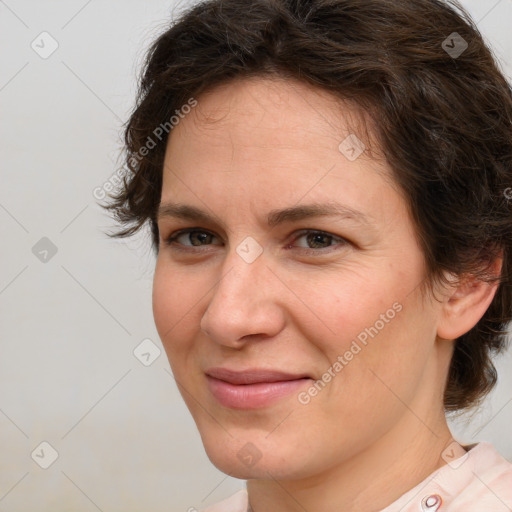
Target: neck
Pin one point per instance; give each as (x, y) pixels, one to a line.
(369, 481)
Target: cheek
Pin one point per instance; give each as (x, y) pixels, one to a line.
(163, 301)
(348, 305)
(175, 302)
(384, 355)
(372, 321)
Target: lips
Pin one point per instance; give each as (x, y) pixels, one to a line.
(252, 376)
(252, 388)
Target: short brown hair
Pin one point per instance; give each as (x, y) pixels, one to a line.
(442, 113)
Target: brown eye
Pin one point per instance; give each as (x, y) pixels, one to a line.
(191, 238)
(318, 240)
(199, 237)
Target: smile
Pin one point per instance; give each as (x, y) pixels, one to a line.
(252, 389)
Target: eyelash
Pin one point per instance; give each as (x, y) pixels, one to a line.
(170, 240)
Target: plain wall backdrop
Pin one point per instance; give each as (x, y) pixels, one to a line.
(74, 305)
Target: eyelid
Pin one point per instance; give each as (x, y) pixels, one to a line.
(324, 250)
(303, 232)
(170, 240)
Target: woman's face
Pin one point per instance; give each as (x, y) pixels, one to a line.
(288, 299)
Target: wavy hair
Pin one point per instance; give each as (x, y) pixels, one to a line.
(441, 110)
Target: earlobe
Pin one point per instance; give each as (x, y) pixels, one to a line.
(466, 303)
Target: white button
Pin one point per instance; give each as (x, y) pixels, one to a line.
(431, 503)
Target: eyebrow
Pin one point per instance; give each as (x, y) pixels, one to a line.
(274, 217)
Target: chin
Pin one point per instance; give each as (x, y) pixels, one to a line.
(256, 459)
(232, 466)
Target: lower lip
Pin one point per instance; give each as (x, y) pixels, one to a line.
(252, 396)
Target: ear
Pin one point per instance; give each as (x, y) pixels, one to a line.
(466, 302)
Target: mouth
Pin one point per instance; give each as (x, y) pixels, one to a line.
(252, 388)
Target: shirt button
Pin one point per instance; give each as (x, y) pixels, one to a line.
(431, 503)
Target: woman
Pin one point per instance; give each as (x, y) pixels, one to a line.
(326, 183)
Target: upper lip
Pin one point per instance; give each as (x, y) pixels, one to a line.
(252, 375)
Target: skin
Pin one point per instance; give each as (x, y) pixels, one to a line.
(378, 427)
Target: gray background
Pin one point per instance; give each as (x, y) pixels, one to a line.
(69, 326)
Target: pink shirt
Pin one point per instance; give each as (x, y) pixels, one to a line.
(478, 481)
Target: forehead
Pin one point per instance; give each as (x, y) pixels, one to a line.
(287, 109)
(267, 144)
(273, 121)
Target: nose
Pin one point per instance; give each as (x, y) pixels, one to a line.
(245, 303)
